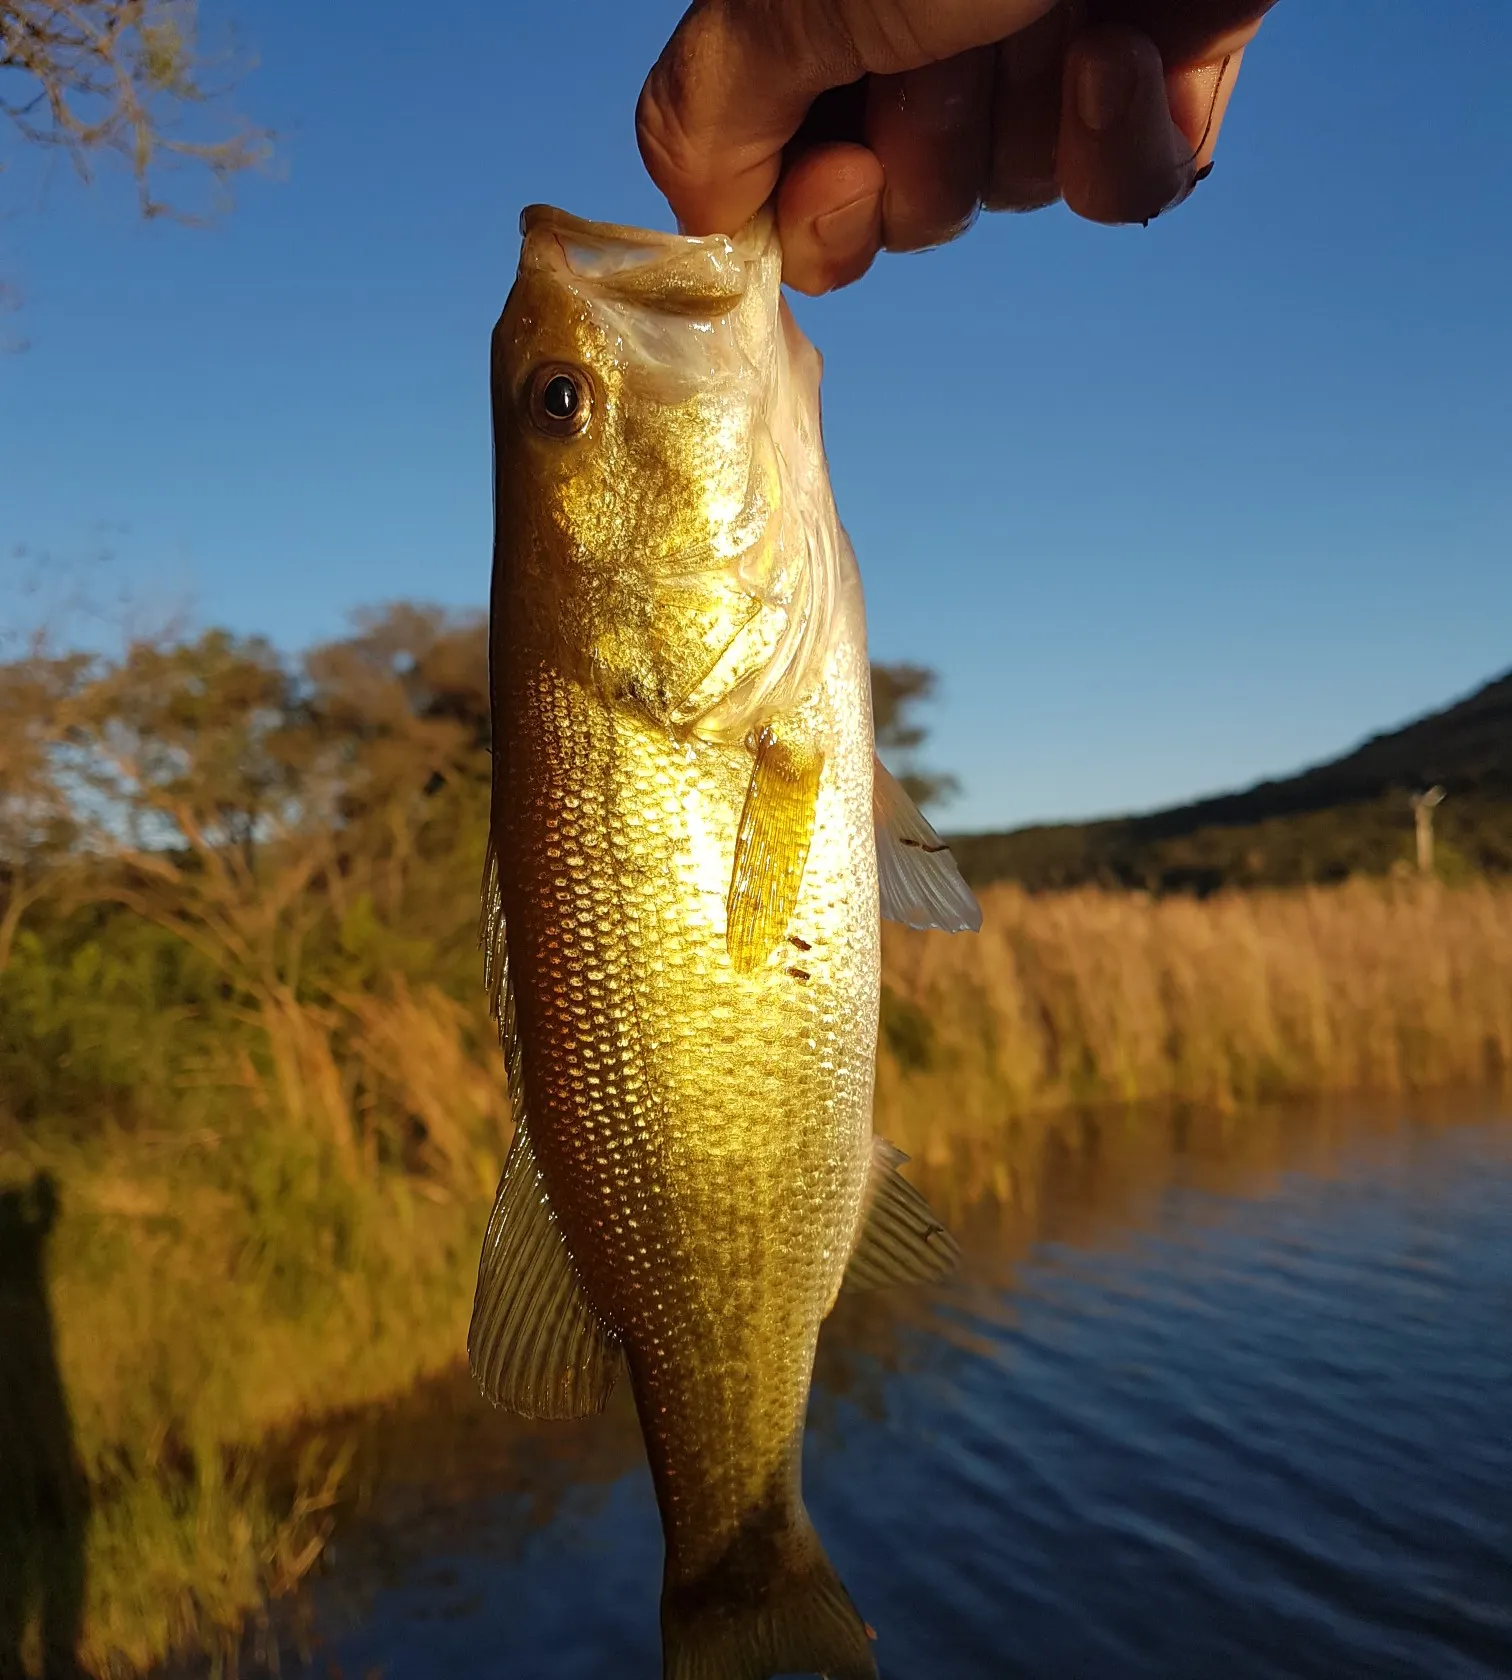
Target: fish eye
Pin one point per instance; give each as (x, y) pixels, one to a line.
(561, 400)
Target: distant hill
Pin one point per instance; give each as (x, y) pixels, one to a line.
(1348, 816)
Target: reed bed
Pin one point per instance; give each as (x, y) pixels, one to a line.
(1097, 997)
(300, 1233)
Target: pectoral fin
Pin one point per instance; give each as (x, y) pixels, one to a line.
(901, 1240)
(920, 884)
(772, 845)
(536, 1346)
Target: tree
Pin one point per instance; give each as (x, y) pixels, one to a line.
(221, 866)
(38, 829)
(122, 78)
(897, 690)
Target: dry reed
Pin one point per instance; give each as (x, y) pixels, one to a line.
(1096, 997)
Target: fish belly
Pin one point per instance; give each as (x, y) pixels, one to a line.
(704, 1135)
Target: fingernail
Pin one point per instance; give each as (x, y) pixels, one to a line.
(842, 230)
(1184, 192)
(1104, 91)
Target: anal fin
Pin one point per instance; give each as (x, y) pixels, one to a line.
(536, 1346)
(772, 845)
(901, 1240)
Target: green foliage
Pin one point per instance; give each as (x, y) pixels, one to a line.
(72, 986)
(241, 1033)
(1348, 817)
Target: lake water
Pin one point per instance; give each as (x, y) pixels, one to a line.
(1208, 1398)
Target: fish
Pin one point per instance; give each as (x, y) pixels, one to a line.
(692, 845)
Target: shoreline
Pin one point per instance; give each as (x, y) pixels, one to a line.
(206, 1283)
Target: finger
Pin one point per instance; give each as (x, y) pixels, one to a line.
(1198, 98)
(1187, 32)
(1026, 115)
(931, 129)
(1120, 156)
(732, 86)
(829, 216)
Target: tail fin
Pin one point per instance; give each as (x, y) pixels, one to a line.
(765, 1611)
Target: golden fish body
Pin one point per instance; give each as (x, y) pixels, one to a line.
(682, 909)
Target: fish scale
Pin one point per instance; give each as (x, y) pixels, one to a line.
(708, 1181)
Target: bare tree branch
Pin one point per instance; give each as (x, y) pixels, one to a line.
(120, 78)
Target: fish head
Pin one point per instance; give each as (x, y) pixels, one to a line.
(665, 529)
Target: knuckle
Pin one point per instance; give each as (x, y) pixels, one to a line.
(669, 111)
(666, 148)
(884, 34)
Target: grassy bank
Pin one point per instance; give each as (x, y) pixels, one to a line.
(301, 1237)
(190, 1293)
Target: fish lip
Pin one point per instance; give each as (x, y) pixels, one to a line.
(675, 274)
(547, 217)
(656, 243)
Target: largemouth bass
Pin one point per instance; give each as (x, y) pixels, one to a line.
(691, 846)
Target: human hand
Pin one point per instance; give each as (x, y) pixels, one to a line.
(886, 124)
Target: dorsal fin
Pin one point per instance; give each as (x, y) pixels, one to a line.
(919, 883)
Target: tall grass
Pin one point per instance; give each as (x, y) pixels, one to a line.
(300, 1234)
(1095, 997)
(300, 1238)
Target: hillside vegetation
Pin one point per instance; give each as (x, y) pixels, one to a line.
(1349, 816)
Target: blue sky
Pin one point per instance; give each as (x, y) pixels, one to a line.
(1170, 509)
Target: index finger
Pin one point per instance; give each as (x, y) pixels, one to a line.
(738, 76)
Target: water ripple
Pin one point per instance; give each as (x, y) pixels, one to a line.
(1255, 1434)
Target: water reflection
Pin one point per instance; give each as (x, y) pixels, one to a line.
(1211, 1396)
(43, 1494)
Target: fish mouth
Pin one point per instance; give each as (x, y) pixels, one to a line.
(536, 218)
(680, 274)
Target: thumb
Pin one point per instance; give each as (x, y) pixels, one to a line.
(737, 78)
